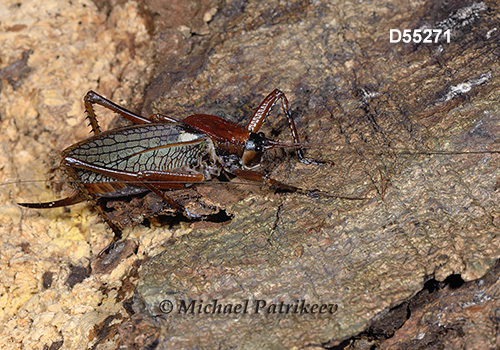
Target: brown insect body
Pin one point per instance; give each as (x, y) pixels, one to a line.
(161, 153)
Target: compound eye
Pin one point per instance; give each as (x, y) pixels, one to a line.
(253, 146)
(256, 142)
(250, 145)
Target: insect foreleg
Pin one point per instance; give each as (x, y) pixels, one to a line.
(262, 112)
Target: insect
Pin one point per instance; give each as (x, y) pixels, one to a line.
(163, 153)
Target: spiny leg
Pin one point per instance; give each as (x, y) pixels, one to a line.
(262, 112)
(92, 98)
(91, 114)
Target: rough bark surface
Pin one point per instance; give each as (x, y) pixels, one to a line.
(367, 102)
(367, 105)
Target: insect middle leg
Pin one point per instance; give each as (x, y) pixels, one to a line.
(156, 180)
(265, 179)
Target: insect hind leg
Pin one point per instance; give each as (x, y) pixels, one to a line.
(264, 179)
(92, 98)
